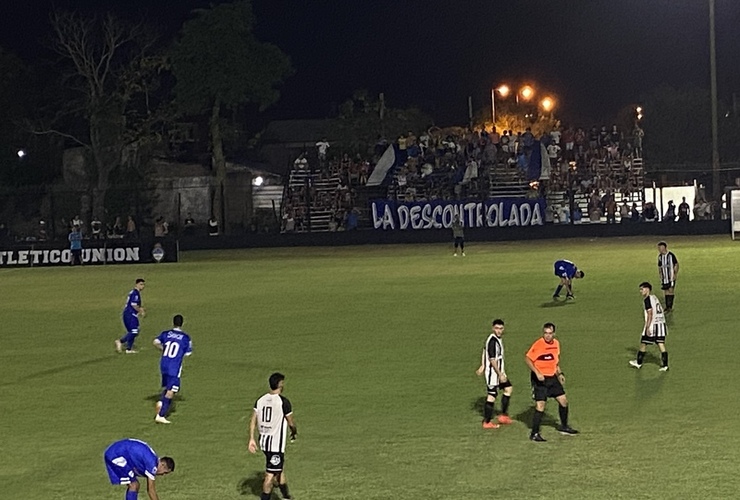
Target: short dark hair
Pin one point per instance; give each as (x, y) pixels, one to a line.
(549, 325)
(140, 280)
(498, 321)
(275, 380)
(647, 285)
(583, 275)
(662, 244)
(169, 462)
(177, 320)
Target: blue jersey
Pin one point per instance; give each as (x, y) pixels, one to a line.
(176, 345)
(134, 298)
(565, 269)
(135, 455)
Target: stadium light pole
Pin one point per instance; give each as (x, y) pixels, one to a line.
(504, 91)
(715, 126)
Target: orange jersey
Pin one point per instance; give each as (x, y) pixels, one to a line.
(544, 356)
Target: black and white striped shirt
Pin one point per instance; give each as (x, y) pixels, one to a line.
(667, 267)
(271, 410)
(494, 349)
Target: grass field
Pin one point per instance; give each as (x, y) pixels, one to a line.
(379, 346)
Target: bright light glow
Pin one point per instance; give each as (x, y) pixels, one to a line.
(258, 181)
(527, 92)
(21, 153)
(548, 103)
(503, 90)
(639, 109)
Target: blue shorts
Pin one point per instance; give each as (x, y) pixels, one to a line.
(171, 383)
(119, 472)
(132, 324)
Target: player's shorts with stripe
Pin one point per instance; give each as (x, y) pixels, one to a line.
(131, 323)
(667, 285)
(492, 390)
(657, 336)
(274, 461)
(119, 471)
(548, 388)
(171, 383)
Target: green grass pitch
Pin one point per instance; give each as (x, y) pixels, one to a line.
(379, 346)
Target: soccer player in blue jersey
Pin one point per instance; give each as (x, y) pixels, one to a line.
(132, 311)
(128, 459)
(567, 272)
(175, 345)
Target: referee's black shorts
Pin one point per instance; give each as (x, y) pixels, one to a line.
(548, 388)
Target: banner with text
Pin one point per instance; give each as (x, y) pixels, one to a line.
(114, 252)
(495, 212)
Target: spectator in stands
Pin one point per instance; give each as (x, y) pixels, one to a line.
(683, 210)
(635, 214)
(77, 222)
(527, 142)
(189, 226)
(322, 147)
(42, 235)
(504, 141)
(611, 209)
(213, 226)
(670, 212)
(577, 214)
(116, 231)
(301, 163)
(96, 229)
(130, 228)
(649, 212)
(699, 209)
(161, 228)
(637, 136)
(289, 221)
(569, 138)
(615, 136)
(624, 213)
(555, 135)
(564, 213)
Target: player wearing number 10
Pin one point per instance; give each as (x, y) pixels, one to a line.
(175, 345)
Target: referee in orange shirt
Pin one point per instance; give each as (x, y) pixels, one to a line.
(543, 358)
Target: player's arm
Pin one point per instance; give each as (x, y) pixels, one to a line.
(252, 427)
(531, 366)
(675, 271)
(648, 319)
(291, 425)
(494, 364)
(158, 344)
(139, 309)
(560, 374)
(151, 489)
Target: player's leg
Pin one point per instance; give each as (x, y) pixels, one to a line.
(171, 385)
(488, 409)
(660, 340)
(283, 485)
(267, 486)
(669, 297)
(132, 493)
(568, 289)
(559, 288)
(457, 244)
(462, 246)
(506, 389)
(563, 410)
(637, 363)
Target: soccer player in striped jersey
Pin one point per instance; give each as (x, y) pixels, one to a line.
(567, 272)
(654, 331)
(273, 414)
(175, 345)
(128, 459)
(132, 311)
(492, 366)
(668, 271)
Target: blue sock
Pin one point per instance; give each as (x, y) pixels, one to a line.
(124, 339)
(557, 290)
(130, 341)
(165, 406)
(132, 495)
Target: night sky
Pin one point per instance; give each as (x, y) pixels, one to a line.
(595, 56)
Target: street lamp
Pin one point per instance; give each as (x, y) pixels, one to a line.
(548, 103)
(713, 77)
(527, 92)
(638, 110)
(503, 90)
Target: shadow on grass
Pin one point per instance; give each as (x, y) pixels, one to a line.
(650, 357)
(556, 303)
(173, 406)
(60, 369)
(527, 415)
(252, 485)
(477, 405)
